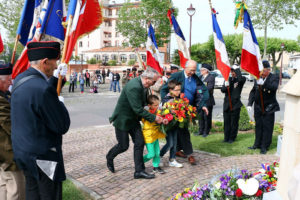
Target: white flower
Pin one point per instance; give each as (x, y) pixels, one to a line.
(249, 187)
(262, 171)
(218, 185)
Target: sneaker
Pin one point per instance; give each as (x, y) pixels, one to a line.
(174, 163)
(158, 170)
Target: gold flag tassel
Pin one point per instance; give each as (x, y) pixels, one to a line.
(239, 16)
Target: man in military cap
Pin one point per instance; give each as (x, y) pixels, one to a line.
(39, 119)
(205, 121)
(174, 69)
(263, 95)
(231, 110)
(12, 181)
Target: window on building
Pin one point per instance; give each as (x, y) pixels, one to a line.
(97, 56)
(80, 44)
(106, 12)
(132, 57)
(105, 58)
(117, 34)
(123, 58)
(114, 56)
(109, 12)
(116, 43)
(144, 57)
(117, 12)
(109, 23)
(107, 43)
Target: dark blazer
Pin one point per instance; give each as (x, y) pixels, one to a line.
(130, 106)
(180, 77)
(268, 89)
(235, 87)
(39, 120)
(209, 81)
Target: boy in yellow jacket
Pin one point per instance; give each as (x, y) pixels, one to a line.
(151, 134)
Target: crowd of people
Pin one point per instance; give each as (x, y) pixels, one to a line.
(34, 118)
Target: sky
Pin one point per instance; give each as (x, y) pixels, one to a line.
(202, 23)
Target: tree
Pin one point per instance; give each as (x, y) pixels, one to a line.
(133, 20)
(298, 38)
(273, 14)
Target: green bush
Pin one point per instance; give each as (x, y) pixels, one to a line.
(277, 128)
(112, 62)
(217, 126)
(131, 62)
(244, 123)
(92, 61)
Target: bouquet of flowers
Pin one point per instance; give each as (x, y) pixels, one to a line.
(268, 176)
(177, 112)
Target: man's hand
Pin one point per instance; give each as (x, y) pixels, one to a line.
(249, 108)
(158, 119)
(62, 69)
(235, 67)
(61, 99)
(205, 110)
(226, 83)
(260, 81)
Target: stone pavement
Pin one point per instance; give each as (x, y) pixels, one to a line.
(84, 154)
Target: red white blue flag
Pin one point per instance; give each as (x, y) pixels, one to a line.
(153, 55)
(183, 51)
(251, 59)
(1, 45)
(220, 49)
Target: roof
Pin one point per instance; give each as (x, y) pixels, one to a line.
(122, 49)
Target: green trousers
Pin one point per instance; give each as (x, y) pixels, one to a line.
(153, 153)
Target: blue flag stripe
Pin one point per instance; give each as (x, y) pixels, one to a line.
(216, 28)
(177, 28)
(248, 25)
(71, 8)
(151, 34)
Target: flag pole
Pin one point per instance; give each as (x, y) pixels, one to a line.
(15, 49)
(59, 83)
(228, 89)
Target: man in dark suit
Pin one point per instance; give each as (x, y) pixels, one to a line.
(126, 120)
(189, 84)
(263, 94)
(209, 81)
(39, 119)
(232, 106)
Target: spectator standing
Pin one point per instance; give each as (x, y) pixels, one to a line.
(110, 78)
(87, 78)
(103, 76)
(116, 79)
(81, 82)
(124, 78)
(72, 82)
(76, 78)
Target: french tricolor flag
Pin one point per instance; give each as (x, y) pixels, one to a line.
(220, 49)
(183, 51)
(251, 60)
(153, 56)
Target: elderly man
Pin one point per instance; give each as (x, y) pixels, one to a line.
(263, 94)
(126, 120)
(190, 83)
(205, 121)
(39, 119)
(12, 181)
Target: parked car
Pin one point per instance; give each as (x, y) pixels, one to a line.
(285, 75)
(248, 76)
(219, 79)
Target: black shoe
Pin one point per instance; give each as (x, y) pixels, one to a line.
(230, 141)
(110, 165)
(225, 141)
(158, 170)
(144, 175)
(204, 135)
(253, 147)
(263, 151)
(199, 133)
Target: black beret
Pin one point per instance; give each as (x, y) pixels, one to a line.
(206, 66)
(173, 67)
(128, 69)
(266, 64)
(124, 70)
(134, 69)
(6, 69)
(41, 50)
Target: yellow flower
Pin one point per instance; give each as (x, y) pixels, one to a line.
(166, 112)
(159, 111)
(178, 195)
(180, 119)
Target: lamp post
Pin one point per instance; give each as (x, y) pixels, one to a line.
(191, 11)
(280, 75)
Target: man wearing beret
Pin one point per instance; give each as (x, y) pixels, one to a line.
(12, 181)
(205, 121)
(39, 119)
(232, 114)
(263, 95)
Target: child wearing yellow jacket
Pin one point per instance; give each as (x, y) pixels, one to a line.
(151, 134)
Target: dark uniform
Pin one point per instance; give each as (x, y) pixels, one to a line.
(205, 121)
(39, 120)
(264, 119)
(231, 117)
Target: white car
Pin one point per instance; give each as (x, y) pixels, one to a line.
(219, 79)
(248, 76)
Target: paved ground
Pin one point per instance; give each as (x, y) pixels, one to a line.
(84, 155)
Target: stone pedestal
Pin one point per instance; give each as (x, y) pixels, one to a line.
(290, 149)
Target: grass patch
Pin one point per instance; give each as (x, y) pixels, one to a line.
(214, 144)
(70, 191)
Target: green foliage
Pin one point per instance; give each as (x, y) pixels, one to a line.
(244, 123)
(131, 62)
(278, 128)
(204, 53)
(217, 126)
(92, 61)
(70, 191)
(112, 62)
(8, 50)
(133, 21)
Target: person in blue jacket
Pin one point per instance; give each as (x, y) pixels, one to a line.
(39, 120)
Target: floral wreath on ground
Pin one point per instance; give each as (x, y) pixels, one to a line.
(235, 185)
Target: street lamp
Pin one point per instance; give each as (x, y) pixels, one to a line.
(280, 75)
(191, 11)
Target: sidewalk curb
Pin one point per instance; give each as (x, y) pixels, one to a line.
(85, 189)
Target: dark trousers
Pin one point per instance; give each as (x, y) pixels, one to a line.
(123, 144)
(184, 141)
(103, 77)
(231, 124)
(42, 189)
(87, 82)
(205, 121)
(171, 144)
(71, 86)
(264, 125)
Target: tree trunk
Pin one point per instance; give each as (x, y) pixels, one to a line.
(273, 59)
(265, 45)
(279, 57)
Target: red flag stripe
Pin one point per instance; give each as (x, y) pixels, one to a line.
(249, 63)
(153, 63)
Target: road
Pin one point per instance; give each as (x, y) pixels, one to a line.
(90, 109)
